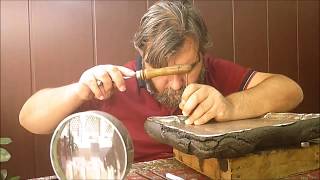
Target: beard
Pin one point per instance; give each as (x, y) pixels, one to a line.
(171, 98)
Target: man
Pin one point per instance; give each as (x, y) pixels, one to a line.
(170, 33)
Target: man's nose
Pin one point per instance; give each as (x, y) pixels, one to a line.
(177, 82)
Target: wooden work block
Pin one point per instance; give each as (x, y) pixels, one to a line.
(269, 164)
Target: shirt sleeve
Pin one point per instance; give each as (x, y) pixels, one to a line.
(226, 76)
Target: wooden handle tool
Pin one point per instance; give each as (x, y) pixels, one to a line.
(172, 70)
(151, 73)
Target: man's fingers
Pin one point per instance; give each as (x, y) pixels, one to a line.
(117, 78)
(196, 98)
(189, 90)
(105, 85)
(204, 119)
(115, 74)
(200, 110)
(101, 79)
(189, 121)
(126, 71)
(182, 103)
(92, 84)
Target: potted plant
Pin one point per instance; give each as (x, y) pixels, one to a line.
(4, 157)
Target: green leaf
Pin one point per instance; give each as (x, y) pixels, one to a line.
(15, 178)
(5, 141)
(4, 174)
(4, 155)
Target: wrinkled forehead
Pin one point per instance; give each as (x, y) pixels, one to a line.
(186, 54)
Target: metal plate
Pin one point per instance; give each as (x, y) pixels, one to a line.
(217, 128)
(91, 145)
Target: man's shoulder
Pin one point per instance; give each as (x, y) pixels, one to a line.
(212, 61)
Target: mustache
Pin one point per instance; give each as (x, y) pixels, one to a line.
(170, 97)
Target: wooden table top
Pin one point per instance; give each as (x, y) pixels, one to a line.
(158, 169)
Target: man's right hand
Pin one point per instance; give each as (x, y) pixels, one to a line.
(109, 75)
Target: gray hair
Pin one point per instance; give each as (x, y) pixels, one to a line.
(164, 27)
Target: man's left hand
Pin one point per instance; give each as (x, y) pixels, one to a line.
(203, 103)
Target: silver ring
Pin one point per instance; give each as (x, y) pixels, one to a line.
(99, 83)
(305, 144)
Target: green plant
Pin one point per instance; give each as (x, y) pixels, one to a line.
(4, 157)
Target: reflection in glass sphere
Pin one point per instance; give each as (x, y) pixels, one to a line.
(88, 145)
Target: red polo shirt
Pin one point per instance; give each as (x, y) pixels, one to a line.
(134, 105)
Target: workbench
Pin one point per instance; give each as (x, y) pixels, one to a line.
(158, 168)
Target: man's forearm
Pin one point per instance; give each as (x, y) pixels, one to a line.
(274, 94)
(46, 108)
